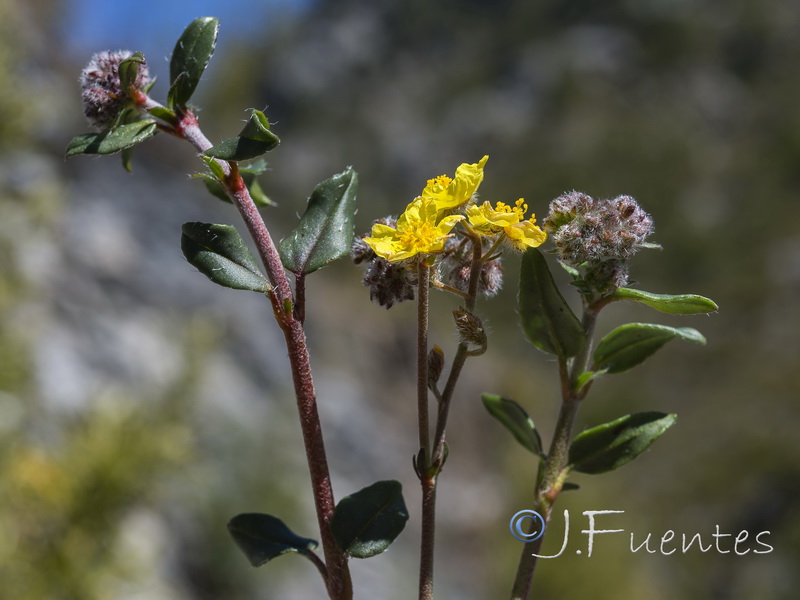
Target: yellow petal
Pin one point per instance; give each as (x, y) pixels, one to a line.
(417, 232)
(488, 221)
(449, 194)
(525, 235)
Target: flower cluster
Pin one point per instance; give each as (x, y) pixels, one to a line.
(428, 226)
(598, 236)
(101, 88)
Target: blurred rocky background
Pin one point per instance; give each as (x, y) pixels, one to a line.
(141, 406)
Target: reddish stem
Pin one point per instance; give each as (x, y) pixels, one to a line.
(338, 580)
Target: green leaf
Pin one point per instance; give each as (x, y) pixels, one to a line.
(254, 140)
(129, 69)
(213, 181)
(630, 344)
(611, 445)
(264, 537)
(189, 59)
(214, 166)
(127, 156)
(219, 252)
(112, 140)
(586, 377)
(547, 319)
(366, 523)
(325, 231)
(573, 272)
(678, 304)
(514, 418)
(163, 113)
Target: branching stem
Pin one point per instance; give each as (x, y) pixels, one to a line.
(335, 572)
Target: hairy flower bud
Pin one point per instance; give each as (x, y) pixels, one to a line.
(470, 330)
(585, 229)
(389, 282)
(598, 235)
(101, 88)
(456, 265)
(490, 280)
(361, 251)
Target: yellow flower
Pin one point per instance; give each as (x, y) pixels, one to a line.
(510, 220)
(417, 232)
(451, 193)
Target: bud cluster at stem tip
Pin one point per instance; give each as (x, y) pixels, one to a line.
(102, 92)
(598, 236)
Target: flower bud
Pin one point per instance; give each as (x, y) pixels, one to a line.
(456, 266)
(470, 329)
(389, 282)
(589, 230)
(491, 280)
(361, 251)
(103, 95)
(598, 236)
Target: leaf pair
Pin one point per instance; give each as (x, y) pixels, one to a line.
(597, 450)
(550, 324)
(364, 524)
(323, 235)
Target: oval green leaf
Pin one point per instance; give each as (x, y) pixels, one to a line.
(190, 58)
(630, 344)
(254, 140)
(264, 537)
(514, 418)
(547, 320)
(325, 231)
(611, 445)
(219, 252)
(366, 523)
(677, 304)
(113, 140)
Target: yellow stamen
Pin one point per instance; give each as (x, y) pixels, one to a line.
(420, 236)
(441, 181)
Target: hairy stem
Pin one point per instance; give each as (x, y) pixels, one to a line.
(546, 492)
(551, 476)
(338, 580)
(423, 278)
(427, 537)
(428, 479)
